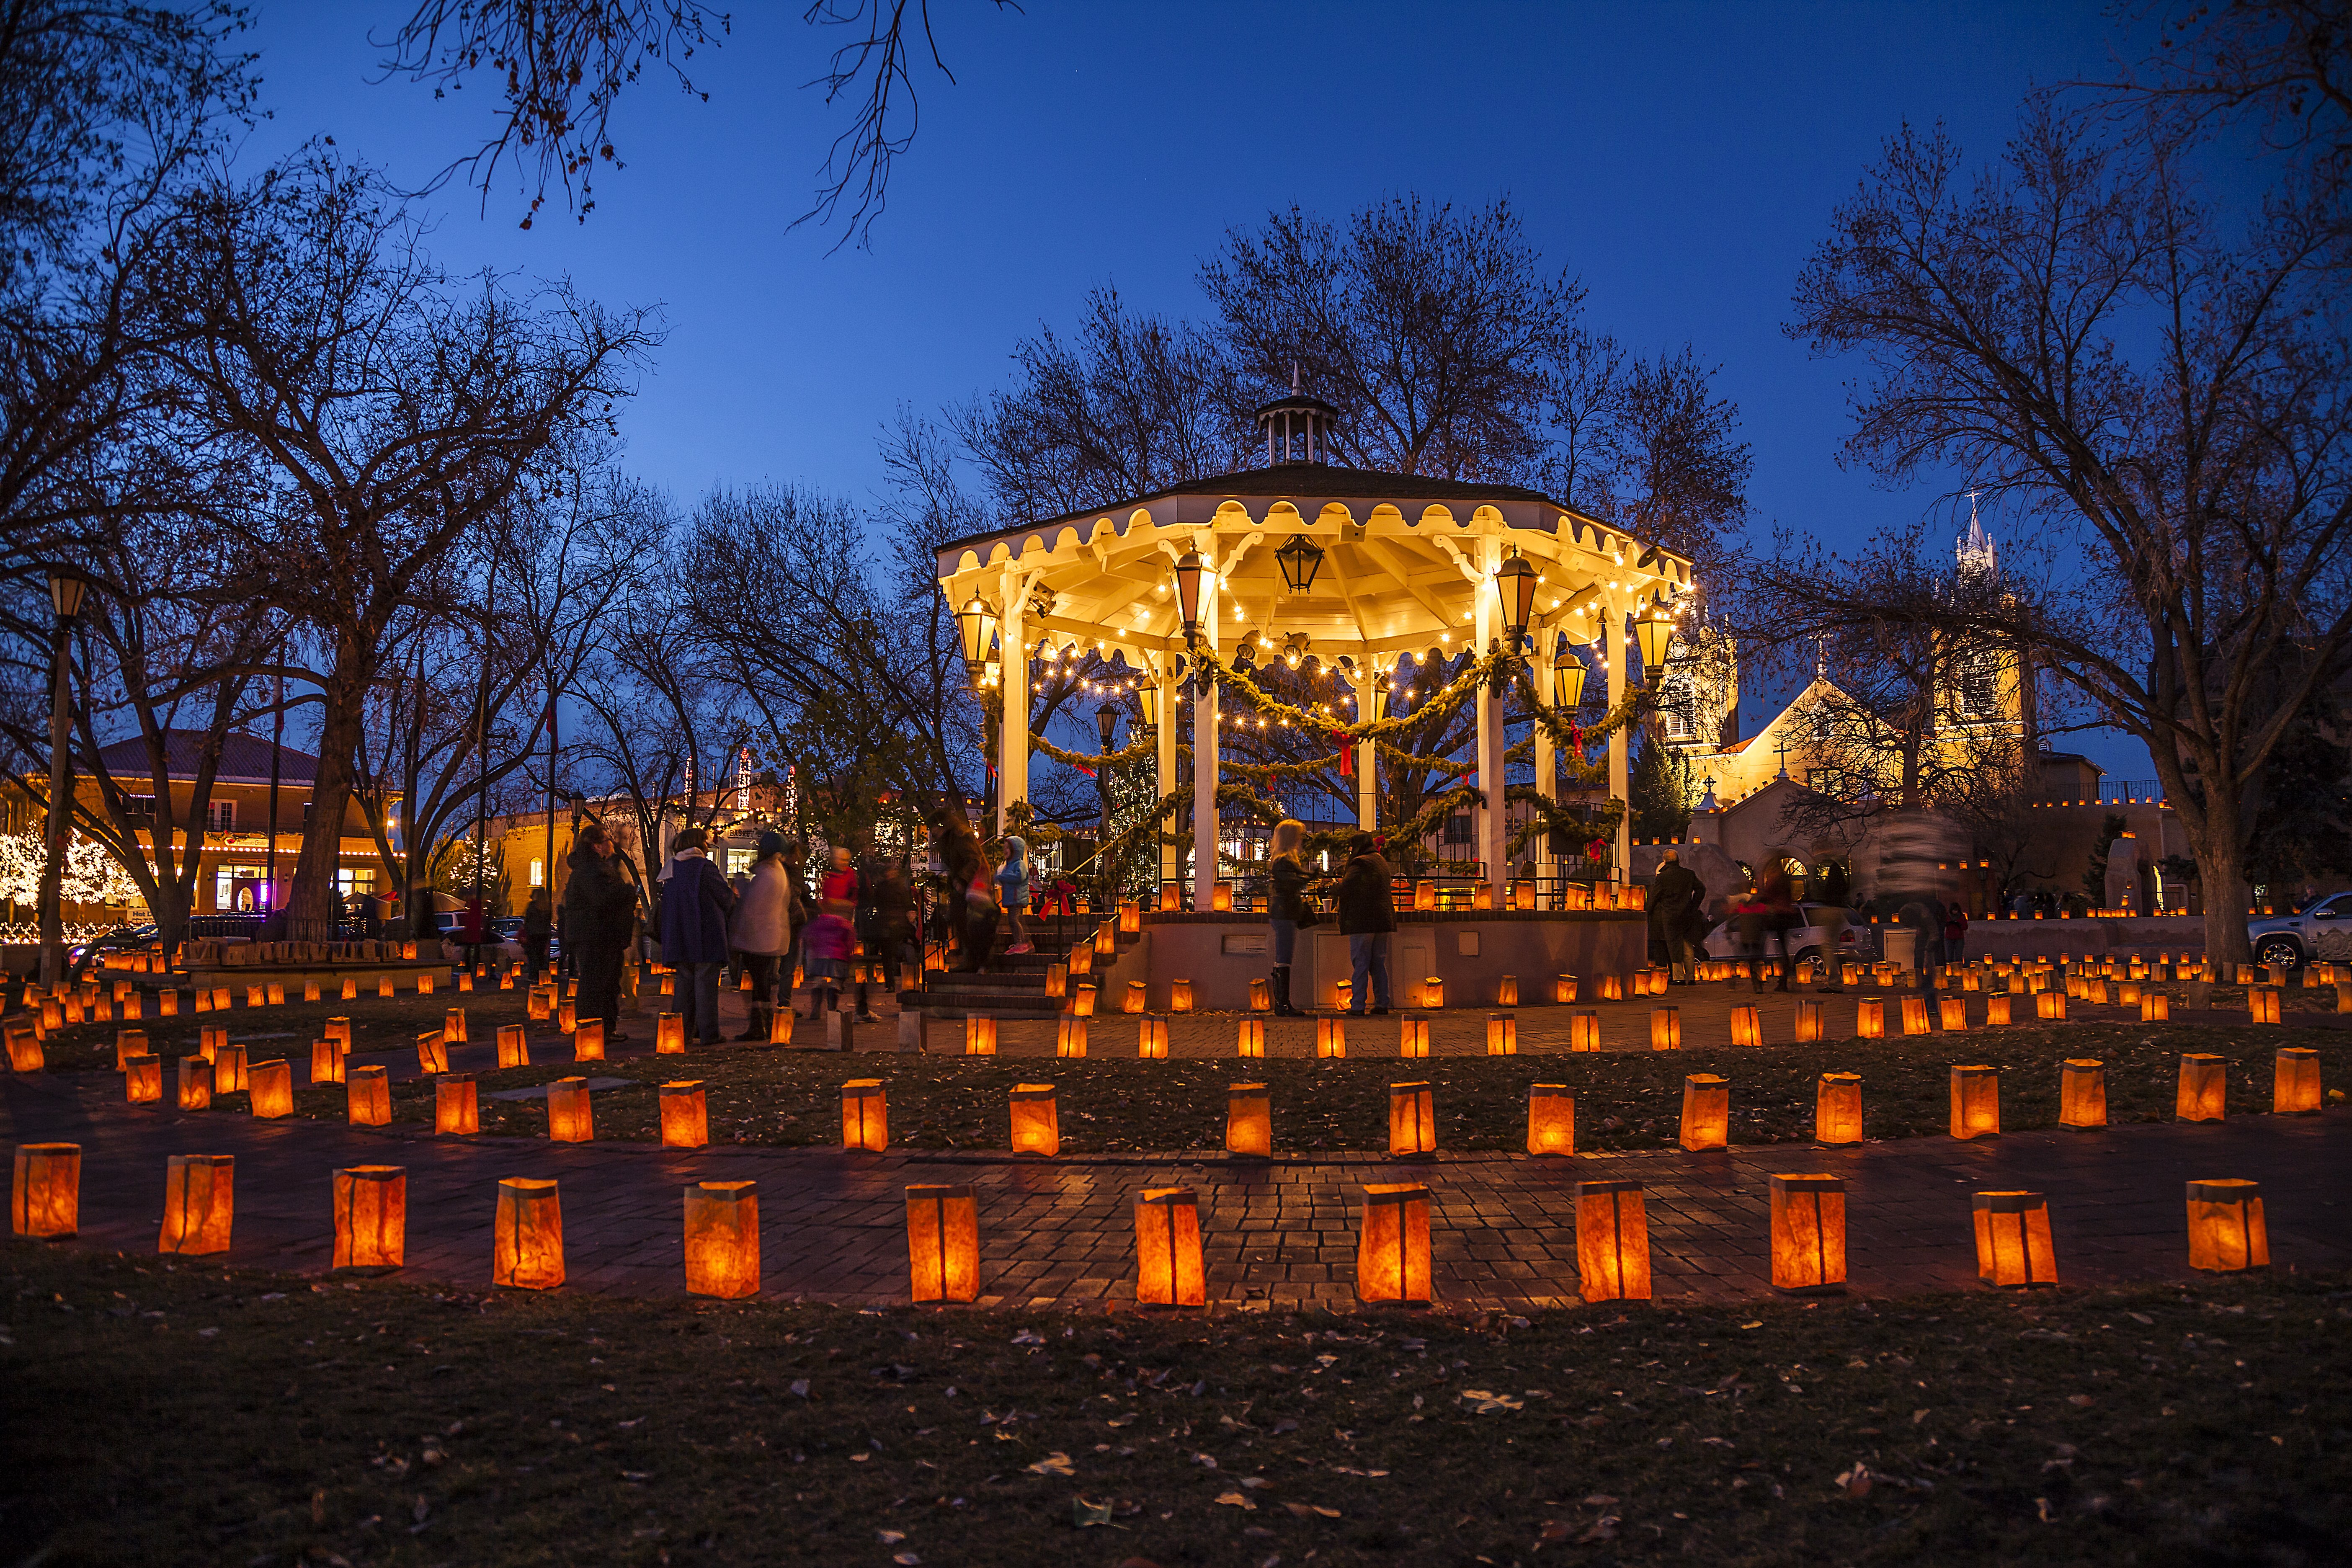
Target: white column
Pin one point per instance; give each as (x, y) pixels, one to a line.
(1615, 643)
(1205, 753)
(1368, 779)
(1012, 734)
(1491, 816)
(1164, 777)
(1547, 764)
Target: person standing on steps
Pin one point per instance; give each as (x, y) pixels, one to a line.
(1285, 907)
(1012, 892)
(1367, 916)
(694, 904)
(1675, 892)
(761, 932)
(600, 917)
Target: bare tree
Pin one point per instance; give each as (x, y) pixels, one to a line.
(2288, 62)
(389, 411)
(562, 65)
(2163, 405)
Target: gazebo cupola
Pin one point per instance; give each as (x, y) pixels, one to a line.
(1297, 428)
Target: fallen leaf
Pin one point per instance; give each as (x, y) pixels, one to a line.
(1855, 1482)
(799, 1389)
(1207, 1461)
(890, 1537)
(1084, 1511)
(2079, 1400)
(2140, 1318)
(1481, 1402)
(905, 1559)
(1554, 1532)
(1602, 1528)
(1254, 1482)
(1237, 1499)
(1053, 1464)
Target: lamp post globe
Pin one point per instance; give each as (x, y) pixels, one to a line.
(1655, 634)
(1515, 585)
(1567, 681)
(1107, 723)
(1190, 568)
(976, 626)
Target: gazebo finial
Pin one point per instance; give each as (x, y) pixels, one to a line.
(1297, 428)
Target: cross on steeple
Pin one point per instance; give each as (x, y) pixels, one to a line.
(1782, 749)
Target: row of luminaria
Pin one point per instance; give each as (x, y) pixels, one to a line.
(1393, 1254)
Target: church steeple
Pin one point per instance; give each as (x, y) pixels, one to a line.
(1978, 555)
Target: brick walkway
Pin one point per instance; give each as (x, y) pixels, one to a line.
(1281, 1232)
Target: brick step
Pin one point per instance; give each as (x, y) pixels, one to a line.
(989, 1004)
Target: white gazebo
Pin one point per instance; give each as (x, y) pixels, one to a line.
(1367, 566)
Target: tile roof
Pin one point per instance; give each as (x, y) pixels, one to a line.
(244, 758)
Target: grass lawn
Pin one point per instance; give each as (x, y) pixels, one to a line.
(168, 1412)
(1624, 1100)
(377, 1023)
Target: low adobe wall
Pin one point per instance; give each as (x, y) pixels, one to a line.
(2094, 937)
(1222, 953)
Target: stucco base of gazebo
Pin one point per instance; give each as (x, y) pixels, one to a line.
(1222, 953)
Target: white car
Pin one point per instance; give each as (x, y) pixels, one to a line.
(1860, 941)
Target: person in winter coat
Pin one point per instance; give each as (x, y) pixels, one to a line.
(1367, 916)
(959, 855)
(694, 903)
(1675, 892)
(892, 900)
(761, 932)
(1286, 905)
(831, 937)
(538, 925)
(599, 919)
(1779, 897)
(1012, 891)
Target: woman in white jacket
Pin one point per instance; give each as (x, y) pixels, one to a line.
(762, 931)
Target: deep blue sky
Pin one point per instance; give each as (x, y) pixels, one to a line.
(1681, 160)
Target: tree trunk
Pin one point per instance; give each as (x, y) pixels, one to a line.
(2221, 871)
(312, 906)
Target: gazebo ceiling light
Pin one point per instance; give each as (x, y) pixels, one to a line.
(1300, 560)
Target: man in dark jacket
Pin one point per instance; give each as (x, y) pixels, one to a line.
(600, 917)
(694, 903)
(1675, 893)
(1367, 916)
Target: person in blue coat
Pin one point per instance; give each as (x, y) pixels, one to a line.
(694, 904)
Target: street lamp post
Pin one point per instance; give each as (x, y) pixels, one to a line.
(1107, 726)
(66, 589)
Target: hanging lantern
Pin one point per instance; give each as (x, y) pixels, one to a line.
(370, 1217)
(142, 1080)
(1997, 1011)
(2051, 1005)
(1584, 1031)
(45, 1200)
(1837, 1109)
(1706, 1112)
(1331, 1039)
(2204, 1083)
(1808, 1234)
(1870, 1019)
(1249, 1122)
(979, 1036)
(2013, 1249)
(1654, 632)
(569, 1118)
(1190, 569)
(432, 1053)
(1252, 1038)
(723, 1239)
(685, 1120)
(1168, 1270)
(1915, 1014)
(1747, 1026)
(669, 1035)
(1180, 996)
(1666, 1028)
(367, 1096)
(1082, 1002)
(1070, 1036)
(1567, 681)
(588, 1041)
(1261, 995)
(2294, 1081)
(1551, 1119)
(1393, 1253)
(270, 1086)
(195, 1084)
(1563, 990)
(2154, 1006)
(1131, 913)
(942, 1243)
(527, 1239)
(514, 1050)
(1414, 1038)
(1037, 1128)
(1502, 1035)
(199, 1202)
(1612, 1242)
(1413, 1121)
(1151, 1040)
(228, 1070)
(2226, 1232)
(1976, 1102)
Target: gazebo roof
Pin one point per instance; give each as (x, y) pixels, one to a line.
(1405, 557)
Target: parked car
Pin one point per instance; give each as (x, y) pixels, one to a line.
(122, 939)
(1860, 943)
(2321, 929)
